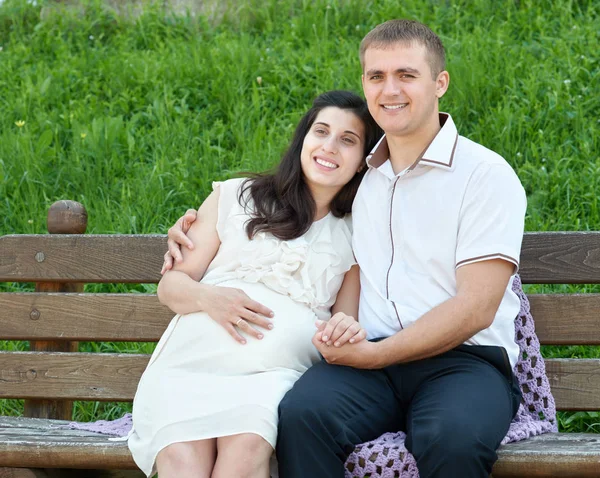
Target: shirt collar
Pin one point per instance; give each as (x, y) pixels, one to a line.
(439, 153)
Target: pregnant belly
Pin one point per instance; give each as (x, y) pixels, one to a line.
(198, 343)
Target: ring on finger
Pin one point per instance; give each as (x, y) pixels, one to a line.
(239, 321)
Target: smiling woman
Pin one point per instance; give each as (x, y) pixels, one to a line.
(337, 129)
(276, 253)
(332, 153)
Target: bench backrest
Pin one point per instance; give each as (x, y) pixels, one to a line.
(56, 317)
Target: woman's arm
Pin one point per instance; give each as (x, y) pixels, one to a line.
(180, 290)
(347, 298)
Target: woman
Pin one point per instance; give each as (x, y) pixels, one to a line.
(273, 251)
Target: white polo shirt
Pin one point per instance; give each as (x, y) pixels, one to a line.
(459, 203)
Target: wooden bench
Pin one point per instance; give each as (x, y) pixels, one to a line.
(58, 315)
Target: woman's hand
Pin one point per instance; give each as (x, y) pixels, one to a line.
(177, 238)
(234, 310)
(341, 328)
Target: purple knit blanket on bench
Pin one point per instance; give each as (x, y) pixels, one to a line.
(387, 457)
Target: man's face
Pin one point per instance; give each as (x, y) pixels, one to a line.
(401, 93)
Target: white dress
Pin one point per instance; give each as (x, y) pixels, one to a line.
(200, 383)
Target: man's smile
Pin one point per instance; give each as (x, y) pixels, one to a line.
(395, 107)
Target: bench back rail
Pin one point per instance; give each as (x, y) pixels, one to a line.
(61, 314)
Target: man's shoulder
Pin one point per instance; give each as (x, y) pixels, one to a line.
(481, 165)
(475, 154)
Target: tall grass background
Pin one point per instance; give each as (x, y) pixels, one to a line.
(133, 109)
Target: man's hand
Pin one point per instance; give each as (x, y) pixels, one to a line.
(340, 329)
(363, 354)
(177, 238)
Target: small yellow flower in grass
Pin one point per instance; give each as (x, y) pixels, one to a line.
(259, 80)
(30, 221)
(83, 135)
(20, 123)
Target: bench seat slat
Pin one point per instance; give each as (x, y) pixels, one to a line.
(34, 442)
(575, 455)
(141, 318)
(113, 377)
(546, 258)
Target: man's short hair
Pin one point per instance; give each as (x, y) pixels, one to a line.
(406, 32)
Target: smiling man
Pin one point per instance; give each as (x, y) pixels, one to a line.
(438, 223)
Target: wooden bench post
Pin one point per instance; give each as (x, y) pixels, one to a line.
(64, 217)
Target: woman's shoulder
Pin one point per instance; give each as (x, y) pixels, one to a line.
(229, 197)
(232, 184)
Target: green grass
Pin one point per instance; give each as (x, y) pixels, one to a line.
(135, 115)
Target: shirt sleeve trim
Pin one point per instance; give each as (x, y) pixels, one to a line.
(488, 257)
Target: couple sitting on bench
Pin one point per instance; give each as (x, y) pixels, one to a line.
(271, 347)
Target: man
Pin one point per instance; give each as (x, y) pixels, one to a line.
(438, 224)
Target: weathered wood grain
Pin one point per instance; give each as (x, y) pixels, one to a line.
(575, 455)
(561, 319)
(66, 454)
(61, 409)
(84, 317)
(87, 376)
(39, 443)
(76, 376)
(561, 258)
(546, 257)
(21, 473)
(82, 258)
(67, 473)
(575, 383)
(566, 319)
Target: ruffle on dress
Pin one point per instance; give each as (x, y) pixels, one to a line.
(309, 269)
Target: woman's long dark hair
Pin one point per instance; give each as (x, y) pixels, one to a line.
(283, 204)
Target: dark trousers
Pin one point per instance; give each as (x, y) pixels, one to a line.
(455, 409)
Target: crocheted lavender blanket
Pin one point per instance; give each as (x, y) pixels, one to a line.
(387, 457)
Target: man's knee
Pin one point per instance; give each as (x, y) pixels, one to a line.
(447, 445)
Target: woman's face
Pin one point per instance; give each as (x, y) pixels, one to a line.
(333, 150)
